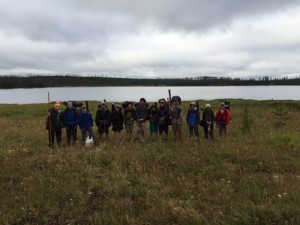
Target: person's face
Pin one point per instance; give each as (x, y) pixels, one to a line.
(222, 106)
(57, 108)
(102, 106)
(130, 106)
(84, 110)
(142, 103)
(70, 105)
(193, 106)
(162, 104)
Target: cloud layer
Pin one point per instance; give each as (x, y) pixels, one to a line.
(150, 38)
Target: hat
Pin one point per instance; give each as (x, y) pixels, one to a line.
(207, 106)
(162, 100)
(193, 103)
(222, 103)
(57, 104)
(118, 106)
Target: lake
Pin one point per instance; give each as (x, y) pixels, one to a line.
(119, 94)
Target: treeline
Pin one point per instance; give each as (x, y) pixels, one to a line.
(40, 81)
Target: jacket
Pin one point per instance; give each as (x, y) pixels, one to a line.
(223, 117)
(85, 120)
(129, 116)
(206, 116)
(163, 115)
(70, 117)
(57, 119)
(142, 113)
(153, 115)
(103, 117)
(193, 117)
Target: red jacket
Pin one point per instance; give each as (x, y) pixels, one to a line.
(223, 117)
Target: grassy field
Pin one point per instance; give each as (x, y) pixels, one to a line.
(245, 178)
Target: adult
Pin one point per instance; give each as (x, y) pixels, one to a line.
(163, 119)
(85, 122)
(117, 119)
(153, 119)
(207, 121)
(129, 118)
(55, 123)
(103, 119)
(141, 118)
(176, 113)
(223, 119)
(70, 123)
(193, 119)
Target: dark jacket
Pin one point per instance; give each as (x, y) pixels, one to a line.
(117, 120)
(208, 116)
(163, 115)
(85, 120)
(153, 115)
(142, 113)
(57, 119)
(193, 117)
(70, 117)
(103, 117)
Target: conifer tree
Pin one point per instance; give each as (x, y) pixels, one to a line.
(247, 121)
(280, 114)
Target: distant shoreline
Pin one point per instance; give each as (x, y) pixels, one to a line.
(39, 81)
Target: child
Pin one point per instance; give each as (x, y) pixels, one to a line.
(85, 122)
(208, 119)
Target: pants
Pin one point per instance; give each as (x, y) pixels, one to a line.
(84, 132)
(153, 128)
(71, 133)
(103, 129)
(194, 130)
(208, 130)
(163, 128)
(55, 132)
(222, 129)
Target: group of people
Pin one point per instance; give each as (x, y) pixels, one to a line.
(129, 115)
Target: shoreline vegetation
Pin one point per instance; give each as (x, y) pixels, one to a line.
(40, 81)
(246, 178)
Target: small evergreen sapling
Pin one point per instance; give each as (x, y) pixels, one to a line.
(280, 114)
(247, 121)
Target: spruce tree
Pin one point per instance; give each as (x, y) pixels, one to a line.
(280, 114)
(247, 121)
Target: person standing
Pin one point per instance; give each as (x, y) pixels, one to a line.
(117, 121)
(208, 119)
(103, 120)
(70, 123)
(193, 119)
(153, 119)
(163, 119)
(55, 119)
(141, 118)
(176, 113)
(85, 122)
(223, 119)
(129, 118)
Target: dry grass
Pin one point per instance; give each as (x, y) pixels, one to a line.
(242, 179)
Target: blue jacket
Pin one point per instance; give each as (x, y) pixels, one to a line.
(193, 117)
(70, 117)
(85, 120)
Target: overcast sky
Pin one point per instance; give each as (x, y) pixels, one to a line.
(150, 38)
